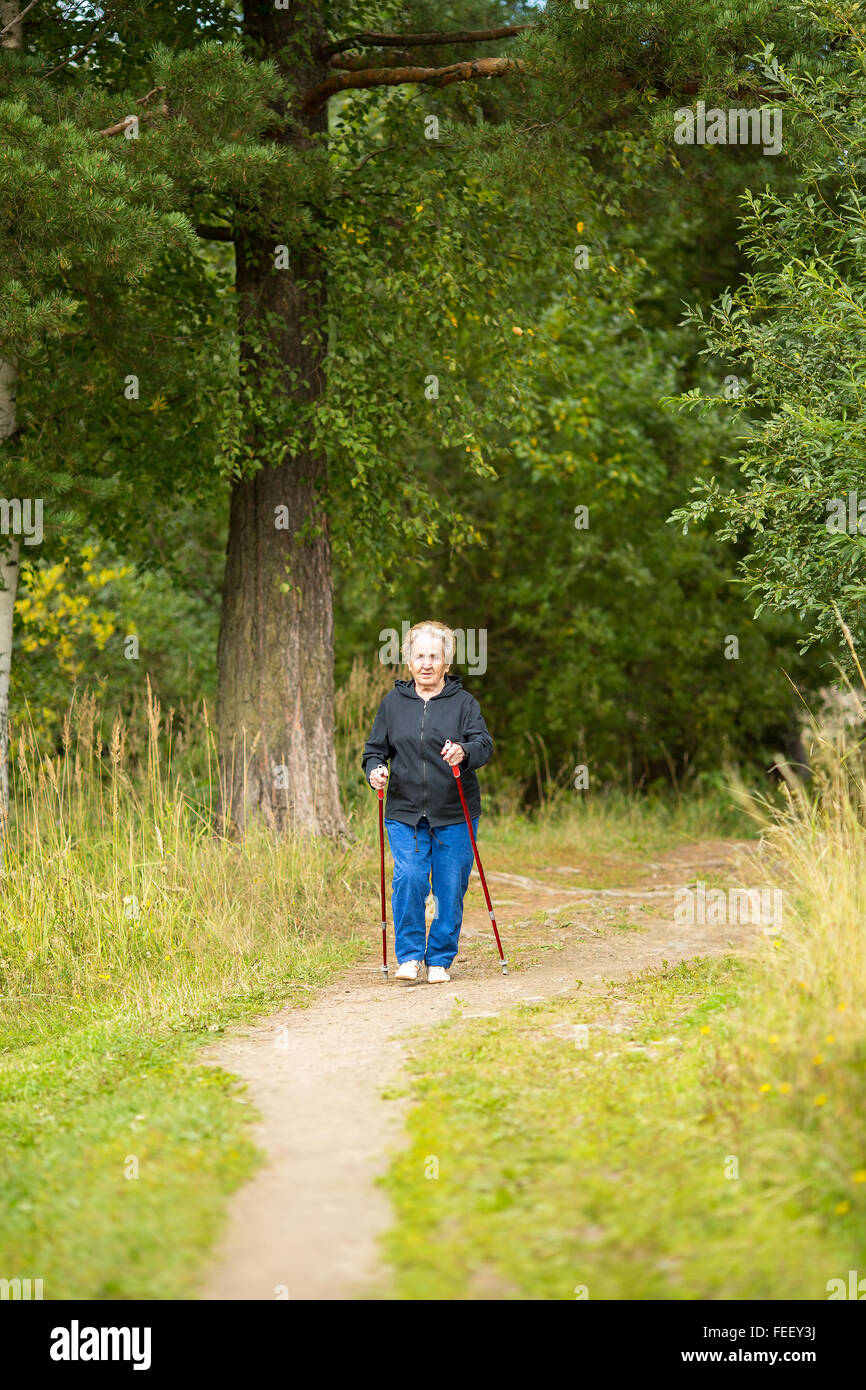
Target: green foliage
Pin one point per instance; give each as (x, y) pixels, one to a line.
(100, 288)
(478, 387)
(794, 330)
(75, 618)
(610, 644)
(608, 637)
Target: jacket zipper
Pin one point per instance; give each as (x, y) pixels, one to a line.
(423, 759)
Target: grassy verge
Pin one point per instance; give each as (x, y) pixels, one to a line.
(636, 1167)
(695, 1134)
(116, 1151)
(611, 831)
(131, 934)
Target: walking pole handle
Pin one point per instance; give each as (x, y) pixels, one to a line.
(455, 769)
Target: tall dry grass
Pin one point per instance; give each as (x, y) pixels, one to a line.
(118, 889)
(797, 1054)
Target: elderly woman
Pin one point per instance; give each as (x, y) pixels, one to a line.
(427, 831)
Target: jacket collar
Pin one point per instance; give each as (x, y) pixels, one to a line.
(451, 686)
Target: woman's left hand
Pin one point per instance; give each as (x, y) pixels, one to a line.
(453, 755)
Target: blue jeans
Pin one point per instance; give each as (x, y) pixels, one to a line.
(425, 858)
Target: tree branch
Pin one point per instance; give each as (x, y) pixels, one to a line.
(383, 149)
(120, 126)
(16, 18)
(77, 54)
(315, 99)
(368, 40)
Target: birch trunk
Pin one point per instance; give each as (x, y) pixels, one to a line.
(10, 37)
(10, 24)
(9, 578)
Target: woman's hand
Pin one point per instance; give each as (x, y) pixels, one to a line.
(452, 753)
(378, 777)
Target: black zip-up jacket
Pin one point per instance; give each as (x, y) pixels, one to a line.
(408, 733)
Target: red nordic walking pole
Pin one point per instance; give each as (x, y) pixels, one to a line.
(456, 771)
(382, 881)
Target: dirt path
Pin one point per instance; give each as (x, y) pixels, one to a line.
(306, 1225)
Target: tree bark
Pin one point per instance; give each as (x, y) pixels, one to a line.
(11, 36)
(439, 38)
(470, 71)
(276, 643)
(9, 579)
(10, 24)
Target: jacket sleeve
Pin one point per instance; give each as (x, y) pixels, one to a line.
(378, 748)
(475, 739)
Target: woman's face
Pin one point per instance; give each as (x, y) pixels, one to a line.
(427, 663)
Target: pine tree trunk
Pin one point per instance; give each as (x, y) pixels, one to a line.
(10, 22)
(276, 644)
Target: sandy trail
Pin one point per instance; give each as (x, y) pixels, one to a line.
(306, 1225)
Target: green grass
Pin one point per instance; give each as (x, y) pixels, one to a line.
(118, 1152)
(708, 1143)
(569, 1171)
(132, 934)
(98, 1065)
(609, 830)
(118, 1149)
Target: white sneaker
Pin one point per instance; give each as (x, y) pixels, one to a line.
(408, 970)
(437, 975)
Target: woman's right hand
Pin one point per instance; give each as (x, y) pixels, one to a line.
(378, 777)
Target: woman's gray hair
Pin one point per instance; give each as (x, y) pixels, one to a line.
(443, 635)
